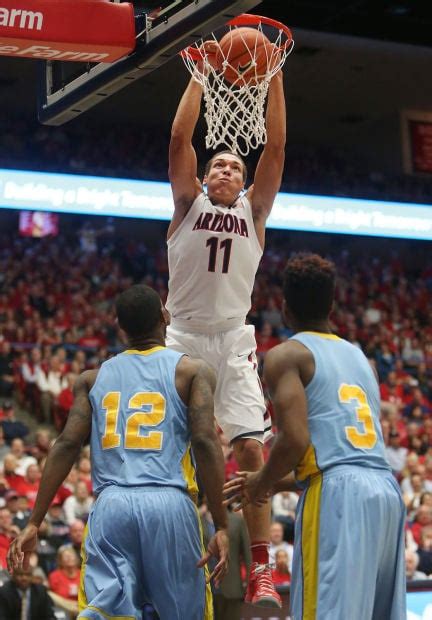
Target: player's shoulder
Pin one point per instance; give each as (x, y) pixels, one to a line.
(289, 357)
(86, 380)
(190, 367)
(287, 354)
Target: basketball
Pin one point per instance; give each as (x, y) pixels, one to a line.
(240, 47)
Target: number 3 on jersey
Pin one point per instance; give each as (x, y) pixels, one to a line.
(133, 438)
(368, 438)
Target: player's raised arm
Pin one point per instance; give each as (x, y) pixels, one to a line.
(268, 174)
(182, 157)
(59, 462)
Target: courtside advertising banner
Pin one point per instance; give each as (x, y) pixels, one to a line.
(65, 193)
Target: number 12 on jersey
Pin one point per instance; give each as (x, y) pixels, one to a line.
(134, 439)
(225, 245)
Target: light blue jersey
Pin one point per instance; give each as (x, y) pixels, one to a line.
(143, 539)
(140, 431)
(349, 533)
(343, 407)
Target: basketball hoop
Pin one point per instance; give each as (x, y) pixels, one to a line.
(235, 100)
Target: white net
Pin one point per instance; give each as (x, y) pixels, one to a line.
(234, 95)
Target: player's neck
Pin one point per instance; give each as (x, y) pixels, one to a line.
(143, 344)
(322, 327)
(223, 202)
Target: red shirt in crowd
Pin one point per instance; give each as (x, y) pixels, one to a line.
(63, 585)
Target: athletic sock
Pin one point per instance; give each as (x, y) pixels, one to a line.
(260, 551)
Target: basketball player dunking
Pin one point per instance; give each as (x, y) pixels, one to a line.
(215, 243)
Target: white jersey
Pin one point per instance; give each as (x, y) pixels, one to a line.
(213, 257)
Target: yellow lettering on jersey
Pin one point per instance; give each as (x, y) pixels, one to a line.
(153, 440)
(364, 440)
(133, 439)
(111, 403)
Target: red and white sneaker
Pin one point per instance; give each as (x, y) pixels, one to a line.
(261, 590)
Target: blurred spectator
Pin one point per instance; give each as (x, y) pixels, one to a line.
(64, 402)
(4, 448)
(21, 599)
(422, 519)
(45, 550)
(283, 507)
(57, 526)
(65, 580)
(8, 531)
(22, 513)
(84, 472)
(277, 543)
(281, 574)
(228, 598)
(425, 550)
(41, 445)
(78, 505)
(6, 369)
(30, 370)
(395, 453)
(12, 428)
(76, 536)
(29, 484)
(22, 458)
(411, 563)
(50, 384)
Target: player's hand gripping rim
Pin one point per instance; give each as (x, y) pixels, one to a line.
(20, 549)
(218, 547)
(245, 489)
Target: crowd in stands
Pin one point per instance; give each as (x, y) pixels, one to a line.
(131, 152)
(56, 319)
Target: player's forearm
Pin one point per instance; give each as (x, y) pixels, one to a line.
(285, 455)
(59, 462)
(211, 469)
(187, 113)
(276, 114)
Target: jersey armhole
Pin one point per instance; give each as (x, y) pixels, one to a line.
(186, 218)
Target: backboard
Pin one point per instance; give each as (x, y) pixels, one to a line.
(164, 28)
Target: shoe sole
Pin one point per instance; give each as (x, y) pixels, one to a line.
(268, 601)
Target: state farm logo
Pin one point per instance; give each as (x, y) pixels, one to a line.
(19, 18)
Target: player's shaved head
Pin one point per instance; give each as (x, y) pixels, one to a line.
(221, 155)
(138, 310)
(308, 287)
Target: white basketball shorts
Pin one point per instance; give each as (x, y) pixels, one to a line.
(240, 410)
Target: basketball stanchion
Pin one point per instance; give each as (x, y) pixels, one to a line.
(235, 74)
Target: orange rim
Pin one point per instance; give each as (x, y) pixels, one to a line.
(246, 19)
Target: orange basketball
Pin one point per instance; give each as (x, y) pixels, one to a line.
(240, 47)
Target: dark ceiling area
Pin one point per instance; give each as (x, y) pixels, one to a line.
(402, 21)
(356, 67)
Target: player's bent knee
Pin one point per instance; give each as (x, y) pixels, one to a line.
(249, 453)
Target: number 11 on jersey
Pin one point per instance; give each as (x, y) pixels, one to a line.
(225, 245)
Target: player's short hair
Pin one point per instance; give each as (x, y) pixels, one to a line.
(226, 152)
(138, 310)
(308, 286)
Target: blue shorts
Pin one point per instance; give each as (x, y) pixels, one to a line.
(349, 560)
(142, 546)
